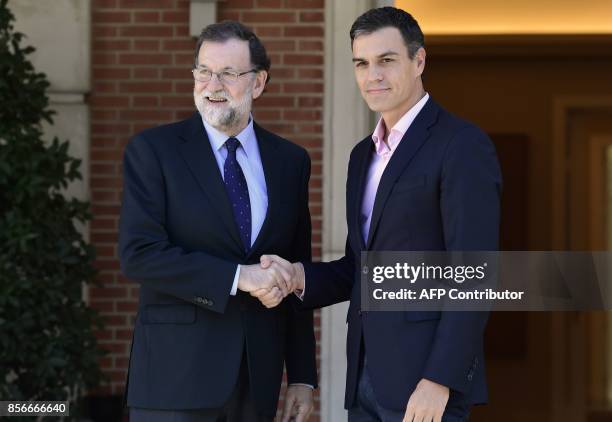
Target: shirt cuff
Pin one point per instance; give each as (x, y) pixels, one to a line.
(300, 294)
(235, 285)
(302, 274)
(304, 385)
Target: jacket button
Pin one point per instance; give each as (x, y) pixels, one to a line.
(470, 376)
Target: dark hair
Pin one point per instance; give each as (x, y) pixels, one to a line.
(226, 30)
(385, 17)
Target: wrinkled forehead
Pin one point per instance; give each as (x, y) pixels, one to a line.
(230, 54)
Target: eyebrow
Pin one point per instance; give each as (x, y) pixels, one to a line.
(380, 56)
(222, 70)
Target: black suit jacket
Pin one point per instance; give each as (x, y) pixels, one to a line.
(440, 191)
(178, 239)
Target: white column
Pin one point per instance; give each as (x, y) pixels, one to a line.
(347, 121)
(60, 32)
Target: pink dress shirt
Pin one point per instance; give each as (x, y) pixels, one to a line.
(380, 158)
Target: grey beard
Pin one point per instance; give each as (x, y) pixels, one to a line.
(229, 118)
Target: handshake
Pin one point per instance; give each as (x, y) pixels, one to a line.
(272, 279)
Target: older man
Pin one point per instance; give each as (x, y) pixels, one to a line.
(203, 199)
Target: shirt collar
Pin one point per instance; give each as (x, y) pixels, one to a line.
(246, 137)
(398, 131)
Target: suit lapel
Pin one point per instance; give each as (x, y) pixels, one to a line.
(199, 156)
(364, 157)
(273, 165)
(413, 139)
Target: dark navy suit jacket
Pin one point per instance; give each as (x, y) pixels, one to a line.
(178, 239)
(440, 191)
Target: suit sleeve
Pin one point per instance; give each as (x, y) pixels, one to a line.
(328, 283)
(147, 254)
(470, 197)
(301, 344)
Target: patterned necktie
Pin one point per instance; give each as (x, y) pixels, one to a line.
(238, 192)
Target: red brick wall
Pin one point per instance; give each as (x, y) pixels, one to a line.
(141, 59)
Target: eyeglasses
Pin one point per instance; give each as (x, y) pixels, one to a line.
(227, 76)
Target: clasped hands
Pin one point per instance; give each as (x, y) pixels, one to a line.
(272, 279)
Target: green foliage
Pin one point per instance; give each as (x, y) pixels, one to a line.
(47, 347)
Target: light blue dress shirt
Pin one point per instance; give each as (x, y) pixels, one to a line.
(250, 161)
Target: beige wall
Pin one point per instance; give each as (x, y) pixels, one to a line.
(511, 17)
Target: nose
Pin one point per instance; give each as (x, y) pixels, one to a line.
(374, 73)
(214, 84)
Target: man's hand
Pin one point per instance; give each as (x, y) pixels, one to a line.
(427, 402)
(298, 403)
(270, 297)
(296, 270)
(254, 277)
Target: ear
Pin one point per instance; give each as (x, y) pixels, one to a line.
(419, 59)
(260, 83)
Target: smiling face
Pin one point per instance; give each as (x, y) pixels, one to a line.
(226, 105)
(389, 80)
